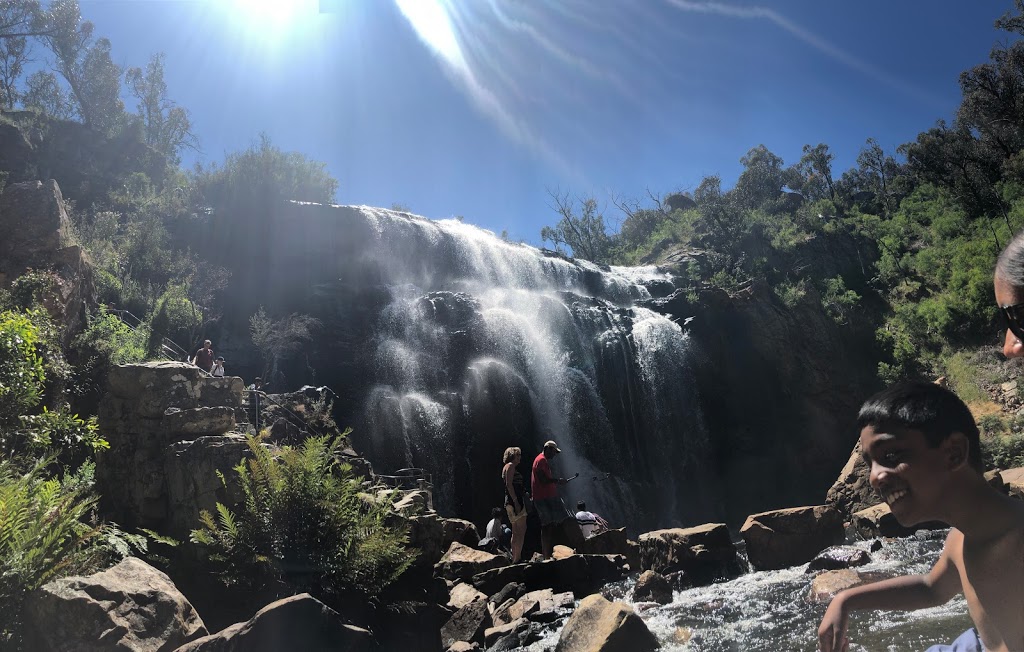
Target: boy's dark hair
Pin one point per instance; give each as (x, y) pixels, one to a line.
(917, 405)
(581, 506)
(495, 512)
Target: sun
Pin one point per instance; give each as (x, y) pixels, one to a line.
(271, 15)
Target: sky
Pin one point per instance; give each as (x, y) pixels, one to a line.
(479, 108)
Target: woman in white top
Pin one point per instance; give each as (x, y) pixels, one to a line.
(218, 367)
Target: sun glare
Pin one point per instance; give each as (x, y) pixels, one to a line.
(271, 15)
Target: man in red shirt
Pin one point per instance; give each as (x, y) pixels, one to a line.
(204, 357)
(545, 496)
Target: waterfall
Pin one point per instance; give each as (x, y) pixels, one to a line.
(476, 344)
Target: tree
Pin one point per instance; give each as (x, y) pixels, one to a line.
(166, 127)
(45, 94)
(583, 231)
(815, 173)
(280, 339)
(761, 180)
(86, 64)
(16, 17)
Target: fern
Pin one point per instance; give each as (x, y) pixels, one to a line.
(302, 522)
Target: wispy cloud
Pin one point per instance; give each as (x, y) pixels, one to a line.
(815, 41)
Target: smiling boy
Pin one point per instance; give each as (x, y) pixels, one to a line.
(922, 447)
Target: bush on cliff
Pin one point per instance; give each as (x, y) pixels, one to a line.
(303, 524)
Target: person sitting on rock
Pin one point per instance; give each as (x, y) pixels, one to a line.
(218, 367)
(921, 445)
(498, 531)
(204, 357)
(590, 522)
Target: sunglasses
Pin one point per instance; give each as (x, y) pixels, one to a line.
(1014, 318)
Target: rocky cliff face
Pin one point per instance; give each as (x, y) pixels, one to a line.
(170, 429)
(37, 236)
(781, 385)
(446, 344)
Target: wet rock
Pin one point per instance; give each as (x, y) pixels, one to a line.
(838, 557)
(512, 611)
(878, 521)
(519, 639)
(598, 625)
(876, 545)
(462, 562)
(705, 552)
(467, 624)
(653, 587)
(609, 542)
(579, 573)
(788, 537)
(463, 646)
(825, 586)
(131, 606)
(463, 594)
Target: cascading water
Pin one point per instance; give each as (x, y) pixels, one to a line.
(481, 344)
(769, 611)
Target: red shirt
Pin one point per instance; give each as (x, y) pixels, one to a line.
(542, 490)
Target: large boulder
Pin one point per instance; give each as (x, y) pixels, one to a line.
(788, 537)
(705, 552)
(467, 624)
(838, 557)
(411, 626)
(131, 606)
(878, 521)
(462, 562)
(852, 492)
(609, 542)
(825, 586)
(299, 622)
(457, 529)
(1013, 479)
(152, 415)
(462, 594)
(651, 586)
(598, 625)
(193, 472)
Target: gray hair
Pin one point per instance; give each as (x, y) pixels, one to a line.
(1010, 266)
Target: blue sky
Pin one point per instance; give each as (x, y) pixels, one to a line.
(476, 107)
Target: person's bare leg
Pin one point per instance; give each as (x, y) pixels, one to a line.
(546, 533)
(518, 538)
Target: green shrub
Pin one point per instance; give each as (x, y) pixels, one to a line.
(44, 533)
(991, 424)
(303, 523)
(791, 294)
(21, 365)
(112, 340)
(1003, 451)
(59, 429)
(965, 374)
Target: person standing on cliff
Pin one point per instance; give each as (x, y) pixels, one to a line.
(204, 357)
(545, 496)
